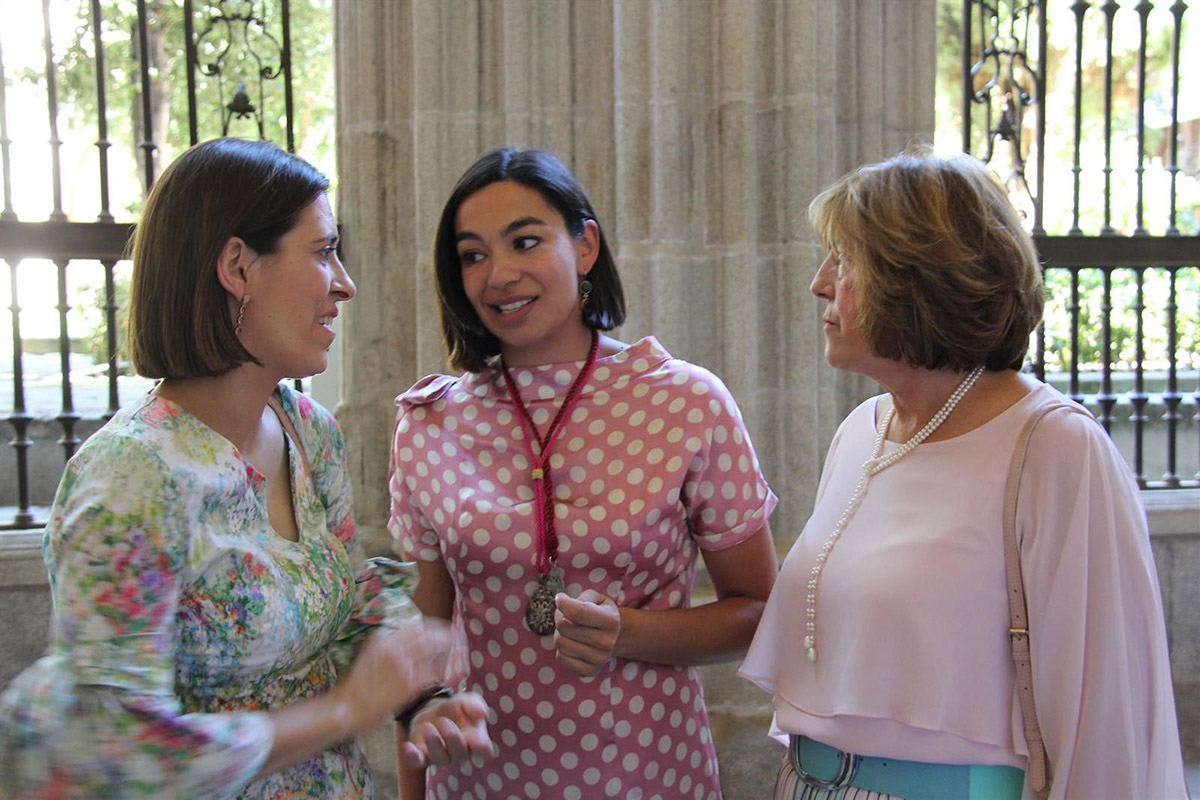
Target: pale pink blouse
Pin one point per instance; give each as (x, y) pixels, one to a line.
(653, 465)
(912, 615)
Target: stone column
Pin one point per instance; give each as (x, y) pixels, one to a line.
(701, 129)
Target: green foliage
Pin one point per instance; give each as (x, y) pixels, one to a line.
(1123, 319)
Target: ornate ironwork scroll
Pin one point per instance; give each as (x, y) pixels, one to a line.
(237, 49)
(1006, 82)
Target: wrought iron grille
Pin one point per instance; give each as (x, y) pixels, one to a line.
(1077, 105)
(144, 54)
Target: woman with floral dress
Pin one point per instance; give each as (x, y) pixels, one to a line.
(213, 612)
(556, 498)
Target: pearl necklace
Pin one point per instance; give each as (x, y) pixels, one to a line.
(872, 466)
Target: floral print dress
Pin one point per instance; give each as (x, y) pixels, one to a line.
(181, 616)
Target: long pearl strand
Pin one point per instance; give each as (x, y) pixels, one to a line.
(872, 466)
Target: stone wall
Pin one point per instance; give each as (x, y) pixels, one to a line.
(701, 129)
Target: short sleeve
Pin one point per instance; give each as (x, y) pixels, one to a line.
(413, 534)
(725, 494)
(98, 716)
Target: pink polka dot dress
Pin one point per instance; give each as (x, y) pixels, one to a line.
(654, 463)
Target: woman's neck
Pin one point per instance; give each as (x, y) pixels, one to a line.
(917, 395)
(572, 347)
(231, 404)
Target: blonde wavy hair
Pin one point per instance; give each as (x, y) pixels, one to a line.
(946, 276)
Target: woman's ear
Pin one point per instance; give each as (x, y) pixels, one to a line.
(233, 265)
(588, 246)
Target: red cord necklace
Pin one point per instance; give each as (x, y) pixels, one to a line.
(539, 611)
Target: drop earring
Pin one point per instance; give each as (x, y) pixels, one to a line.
(241, 318)
(585, 292)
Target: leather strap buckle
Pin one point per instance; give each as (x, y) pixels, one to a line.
(847, 768)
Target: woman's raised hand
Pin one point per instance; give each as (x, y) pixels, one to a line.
(586, 631)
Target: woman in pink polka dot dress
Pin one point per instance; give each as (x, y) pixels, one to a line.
(556, 497)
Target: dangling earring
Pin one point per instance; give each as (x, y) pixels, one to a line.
(237, 328)
(585, 291)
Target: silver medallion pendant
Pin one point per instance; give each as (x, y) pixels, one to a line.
(539, 611)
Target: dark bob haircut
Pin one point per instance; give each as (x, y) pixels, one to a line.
(945, 275)
(469, 344)
(180, 325)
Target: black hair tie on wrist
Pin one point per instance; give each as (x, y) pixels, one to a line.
(405, 715)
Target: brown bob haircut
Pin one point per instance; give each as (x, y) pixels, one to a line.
(945, 275)
(469, 344)
(180, 325)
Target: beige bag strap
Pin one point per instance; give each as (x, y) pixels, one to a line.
(1018, 631)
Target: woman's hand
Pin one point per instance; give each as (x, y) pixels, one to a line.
(586, 631)
(392, 666)
(448, 731)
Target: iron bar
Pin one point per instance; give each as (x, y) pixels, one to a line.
(286, 57)
(1177, 9)
(1110, 9)
(5, 144)
(1039, 361)
(110, 326)
(100, 240)
(102, 143)
(56, 213)
(1080, 7)
(147, 144)
(189, 49)
(1106, 398)
(1139, 397)
(19, 418)
(1073, 308)
(1038, 206)
(1171, 396)
(967, 87)
(1143, 8)
(67, 417)
(1111, 252)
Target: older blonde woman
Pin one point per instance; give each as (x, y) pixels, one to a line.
(898, 679)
